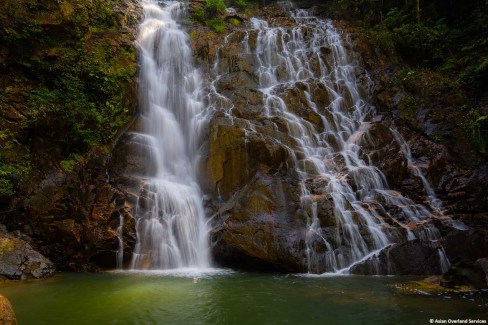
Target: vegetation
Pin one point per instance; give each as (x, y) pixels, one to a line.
(67, 69)
(211, 15)
(443, 45)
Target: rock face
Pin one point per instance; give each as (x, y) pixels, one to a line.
(7, 315)
(18, 260)
(250, 175)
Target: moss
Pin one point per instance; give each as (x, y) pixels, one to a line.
(235, 22)
(7, 245)
(408, 107)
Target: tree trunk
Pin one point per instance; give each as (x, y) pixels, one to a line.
(417, 11)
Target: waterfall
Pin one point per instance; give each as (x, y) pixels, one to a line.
(170, 221)
(332, 148)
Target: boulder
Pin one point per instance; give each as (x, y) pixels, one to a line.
(466, 272)
(7, 314)
(18, 260)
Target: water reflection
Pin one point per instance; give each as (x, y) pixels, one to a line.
(227, 297)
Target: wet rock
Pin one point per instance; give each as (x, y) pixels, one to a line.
(7, 314)
(257, 228)
(415, 257)
(236, 154)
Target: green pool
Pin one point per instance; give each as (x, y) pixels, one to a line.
(227, 297)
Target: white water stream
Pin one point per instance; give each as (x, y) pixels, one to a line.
(170, 222)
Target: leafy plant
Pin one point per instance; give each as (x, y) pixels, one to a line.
(474, 123)
(6, 188)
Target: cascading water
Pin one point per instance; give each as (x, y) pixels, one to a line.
(314, 57)
(170, 222)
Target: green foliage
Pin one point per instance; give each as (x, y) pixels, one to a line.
(395, 17)
(420, 44)
(70, 163)
(6, 188)
(382, 39)
(72, 81)
(67, 115)
(199, 15)
(82, 85)
(217, 24)
(8, 173)
(476, 76)
(474, 123)
(211, 15)
(215, 7)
